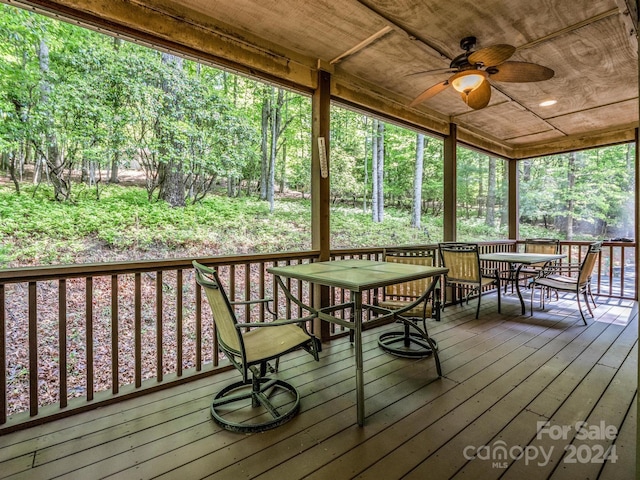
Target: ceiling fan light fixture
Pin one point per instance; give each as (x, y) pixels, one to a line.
(467, 81)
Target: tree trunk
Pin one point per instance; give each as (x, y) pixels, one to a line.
(490, 220)
(504, 210)
(113, 178)
(53, 157)
(272, 129)
(172, 188)
(380, 171)
(276, 121)
(366, 169)
(479, 202)
(571, 181)
(114, 168)
(264, 144)
(416, 210)
(374, 171)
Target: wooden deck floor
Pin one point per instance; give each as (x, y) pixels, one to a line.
(503, 374)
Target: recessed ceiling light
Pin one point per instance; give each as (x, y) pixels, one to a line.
(548, 103)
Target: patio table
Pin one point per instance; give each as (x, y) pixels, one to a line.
(356, 276)
(520, 259)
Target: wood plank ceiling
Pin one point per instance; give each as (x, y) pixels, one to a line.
(372, 48)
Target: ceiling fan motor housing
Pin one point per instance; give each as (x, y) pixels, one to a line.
(462, 61)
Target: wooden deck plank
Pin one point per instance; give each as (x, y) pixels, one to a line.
(401, 429)
(625, 448)
(377, 378)
(522, 429)
(570, 399)
(495, 428)
(585, 457)
(105, 455)
(502, 374)
(429, 440)
(339, 383)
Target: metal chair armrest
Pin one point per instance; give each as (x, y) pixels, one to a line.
(277, 323)
(565, 268)
(266, 301)
(490, 272)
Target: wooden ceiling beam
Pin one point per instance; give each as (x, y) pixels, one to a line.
(363, 44)
(570, 28)
(572, 143)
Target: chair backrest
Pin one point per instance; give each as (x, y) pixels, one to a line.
(414, 288)
(462, 260)
(542, 245)
(229, 336)
(589, 262)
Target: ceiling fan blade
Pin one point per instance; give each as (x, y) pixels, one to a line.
(430, 92)
(478, 98)
(520, 72)
(493, 55)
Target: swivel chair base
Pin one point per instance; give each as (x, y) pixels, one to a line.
(406, 344)
(231, 403)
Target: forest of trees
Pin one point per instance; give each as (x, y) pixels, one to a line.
(77, 107)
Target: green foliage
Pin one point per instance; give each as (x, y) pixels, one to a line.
(113, 102)
(38, 230)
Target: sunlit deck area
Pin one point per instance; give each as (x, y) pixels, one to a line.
(503, 374)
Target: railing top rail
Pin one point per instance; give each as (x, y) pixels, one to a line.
(41, 273)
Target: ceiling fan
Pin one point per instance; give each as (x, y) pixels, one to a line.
(473, 70)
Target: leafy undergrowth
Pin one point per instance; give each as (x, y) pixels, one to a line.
(125, 225)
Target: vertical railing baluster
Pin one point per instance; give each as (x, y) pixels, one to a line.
(89, 336)
(62, 340)
(261, 290)
(179, 321)
(216, 356)
(288, 302)
(159, 330)
(198, 321)
(137, 347)
(622, 263)
(611, 269)
(232, 283)
(3, 358)
(275, 293)
(33, 349)
(115, 380)
(247, 292)
(198, 327)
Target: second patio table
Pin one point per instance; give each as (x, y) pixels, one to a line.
(520, 259)
(356, 276)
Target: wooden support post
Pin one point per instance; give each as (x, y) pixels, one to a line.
(450, 161)
(514, 199)
(320, 192)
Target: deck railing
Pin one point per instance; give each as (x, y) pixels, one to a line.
(76, 337)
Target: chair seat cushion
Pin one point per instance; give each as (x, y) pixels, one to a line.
(562, 278)
(569, 286)
(268, 342)
(414, 312)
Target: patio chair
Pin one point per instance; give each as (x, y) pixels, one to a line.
(413, 341)
(249, 347)
(537, 245)
(465, 272)
(575, 278)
